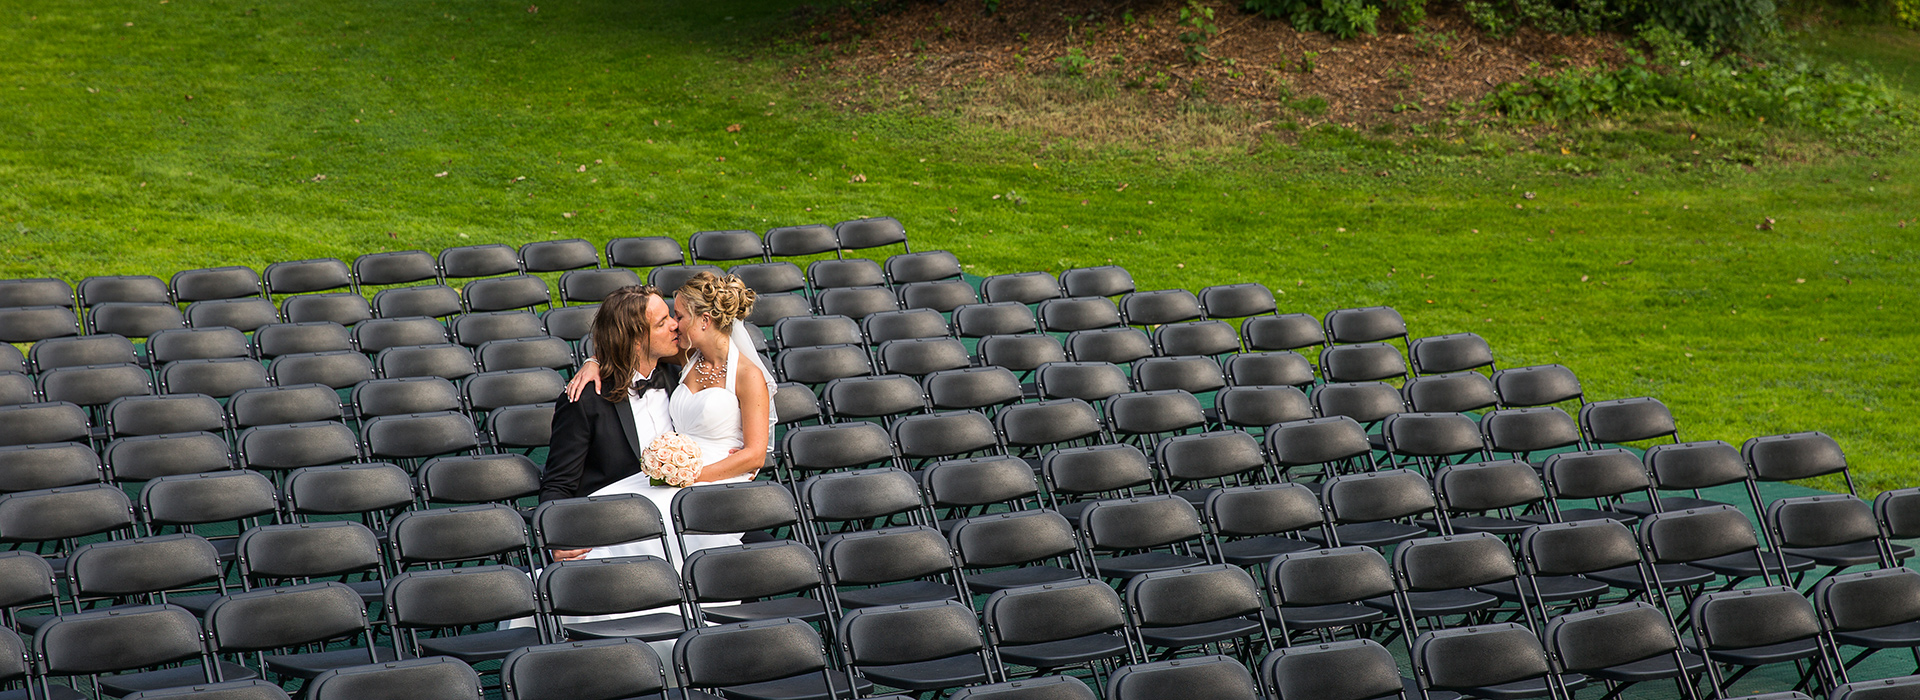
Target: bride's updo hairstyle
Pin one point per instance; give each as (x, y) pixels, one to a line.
(722, 299)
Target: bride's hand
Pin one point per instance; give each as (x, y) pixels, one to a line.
(569, 554)
(589, 374)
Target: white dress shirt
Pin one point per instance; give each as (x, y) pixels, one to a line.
(650, 418)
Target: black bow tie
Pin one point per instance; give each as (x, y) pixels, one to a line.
(664, 377)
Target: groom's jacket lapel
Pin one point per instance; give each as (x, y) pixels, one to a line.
(624, 410)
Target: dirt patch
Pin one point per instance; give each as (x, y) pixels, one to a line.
(1128, 60)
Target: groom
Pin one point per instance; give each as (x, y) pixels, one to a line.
(597, 439)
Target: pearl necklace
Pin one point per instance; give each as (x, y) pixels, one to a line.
(709, 372)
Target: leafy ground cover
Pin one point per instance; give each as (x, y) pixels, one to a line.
(1753, 292)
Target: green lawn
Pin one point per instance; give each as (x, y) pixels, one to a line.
(147, 137)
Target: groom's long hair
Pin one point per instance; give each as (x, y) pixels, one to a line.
(618, 327)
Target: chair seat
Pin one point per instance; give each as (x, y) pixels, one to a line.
(1749, 564)
(1133, 565)
(1769, 654)
(808, 686)
(1551, 588)
(806, 609)
(175, 677)
(1668, 504)
(1196, 634)
(1845, 555)
(370, 591)
(1198, 497)
(1378, 534)
(1905, 634)
(988, 582)
(1531, 688)
(897, 594)
(1066, 652)
(1313, 617)
(1489, 524)
(57, 692)
(196, 604)
(1568, 515)
(310, 665)
(483, 646)
(1260, 550)
(1459, 601)
(647, 628)
(1671, 576)
(951, 672)
(1651, 668)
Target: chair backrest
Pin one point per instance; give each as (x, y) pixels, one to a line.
(306, 550)
(1524, 430)
(64, 513)
(1627, 420)
(941, 295)
(1021, 287)
(733, 507)
(297, 445)
(1752, 617)
(885, 395)
(1262, 509)
(1328, 576)
(1615, 635)
(1374, 496)
(1477, 657)
(1898, 512)
(479, 478)
(457, 597)
(1359, 669)
(609, 586)
(649, 251)
(925, 266)
(215, 283)
(845, 497)
(46, 466)
(337, 369)
(1432, 435)
(1040, 688)
(872, 232)
(1023, 352)
(1695, 534)
(1261, 406)
(457, 534)
(1578, 547)
(1094, 469)
(1366, 402)
(95, 385)
(266, 619)
(1052, 612)
(1207, 338)
(1457, 391)
(1820, 521)
(1453, 561)
(1282, 332)
(150, 456)
(1478, 487)
(1103, 281)
(806, 239)
(41, 291)
(348, 488)
(302, 276)
(1199, 678)
(750, 571)
(1193, 374)
(39, 423)
(805, 331)
(216, 497)
(1270, 368)
(1868, 599)
(1537, 385)
(428, 678)
(31, 324)
(1077, 314)
(119, 639)
(709, 657)
(511, 387)
(1449, 353)
(870, 557)
(1160, 307)
(976, 481)
(1191, 596)
(838, 445)
(399, 267)
(25, 578)
(1001, 318)
(1116, 345)
(1145, 413)
(284, 404)
(196, 344)
(821, 364)
(845, 274)
(554, 256)
(905, 324)
(974, 387)
(1087, 381)
(591, 669)
(1902, 688)
(231, 690)
(161, 563)
(1316, 441)
(1140, 522)
(1237, 300)
(130, 319)
(1365, 325)
(1694, 465)
(1793, 456)
(1211, 455)
(1018, 537)
(122, 288)
(483, 260)
(1051, 422)
(419, 435)
(1594, 473)
(910, 633)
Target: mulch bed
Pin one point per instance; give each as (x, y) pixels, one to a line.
(1397, 77)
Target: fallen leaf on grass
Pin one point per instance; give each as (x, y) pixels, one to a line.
(733, 127)
(442, 173)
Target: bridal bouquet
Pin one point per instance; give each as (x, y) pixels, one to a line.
(672, 460)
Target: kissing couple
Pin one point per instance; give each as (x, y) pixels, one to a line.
(721, 401)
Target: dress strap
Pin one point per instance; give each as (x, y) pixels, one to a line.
(733, 361)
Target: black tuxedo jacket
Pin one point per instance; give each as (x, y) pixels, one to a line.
(593, 441)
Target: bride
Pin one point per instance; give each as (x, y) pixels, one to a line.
(723, 402)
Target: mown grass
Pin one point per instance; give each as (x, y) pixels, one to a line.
(423, 117)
